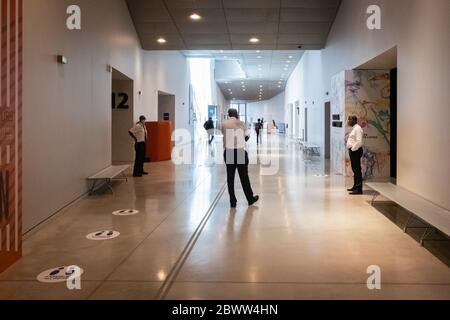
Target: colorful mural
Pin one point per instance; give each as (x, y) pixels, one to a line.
(366, 95)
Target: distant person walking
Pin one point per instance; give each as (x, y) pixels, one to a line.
(139, 134)
(354, 145)
(258, 128)
(209, 127)
(236, 157)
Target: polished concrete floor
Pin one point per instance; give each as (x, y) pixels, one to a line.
(305, 239)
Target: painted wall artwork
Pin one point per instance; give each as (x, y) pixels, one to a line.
(366, 95)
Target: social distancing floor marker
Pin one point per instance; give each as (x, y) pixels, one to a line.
(56, 275)
(126, 212)
(103, 235)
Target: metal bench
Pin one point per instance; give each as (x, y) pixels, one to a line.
(107, 175)
(311, 149)
(432, 215)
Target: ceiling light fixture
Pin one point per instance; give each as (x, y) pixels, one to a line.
(259, 57)
(195, 16)
(254, 40)
(161, 40)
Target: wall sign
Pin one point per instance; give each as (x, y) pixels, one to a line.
(11, 13)
(103, 235)
(123, 101)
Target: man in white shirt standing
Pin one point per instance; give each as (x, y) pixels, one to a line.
(139, 134)
(235, 135)
(354, 145)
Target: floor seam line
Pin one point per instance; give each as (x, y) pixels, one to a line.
(170, 279)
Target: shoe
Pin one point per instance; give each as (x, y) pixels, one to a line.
(145, 173)
(351, 189)
(356, 192)
(255, 199)
(233, 205)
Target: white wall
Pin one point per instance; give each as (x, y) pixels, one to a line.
(306, 86)
(421, 31)
(272, 109)
(67, 108)
(166, 71)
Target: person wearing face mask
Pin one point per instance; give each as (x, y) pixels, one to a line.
(139, 134)
(355, 147)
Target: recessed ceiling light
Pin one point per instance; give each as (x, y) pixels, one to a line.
(259, 57)
(279, 86)
(243, 86)
(195, 16)
(258, 51)
(260, 85)
(161, 40)
(254, 40)
(243, 89)
(290, 57)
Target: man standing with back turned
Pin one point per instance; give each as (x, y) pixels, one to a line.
(139, 134)
(354, 145)
(236, 157)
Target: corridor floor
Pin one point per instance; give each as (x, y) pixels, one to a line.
(305, 239)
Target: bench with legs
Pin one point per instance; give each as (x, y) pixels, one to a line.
(106, 176)
(311, 149)
(433, 216)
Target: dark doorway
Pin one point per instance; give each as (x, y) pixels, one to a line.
(327, 129)
(394, 123)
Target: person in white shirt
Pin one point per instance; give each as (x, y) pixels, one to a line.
(354, 145)
(235, 135)
(139, 134)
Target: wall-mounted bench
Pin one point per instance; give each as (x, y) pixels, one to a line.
(432, 215)
(106, 176)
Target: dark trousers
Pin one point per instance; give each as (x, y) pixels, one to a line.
(355, 159)
(238, 159)
(258, 139)
(139, 147)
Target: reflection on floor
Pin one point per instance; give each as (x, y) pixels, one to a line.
(305, 239)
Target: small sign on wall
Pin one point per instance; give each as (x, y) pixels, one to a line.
(166, 116)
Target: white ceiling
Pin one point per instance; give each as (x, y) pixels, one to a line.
(229, 24)
(240, 74)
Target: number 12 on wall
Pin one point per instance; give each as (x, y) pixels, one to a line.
(123, 104)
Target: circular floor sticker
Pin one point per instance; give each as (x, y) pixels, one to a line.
(126, 212)
(103, 235)
(56, 275)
